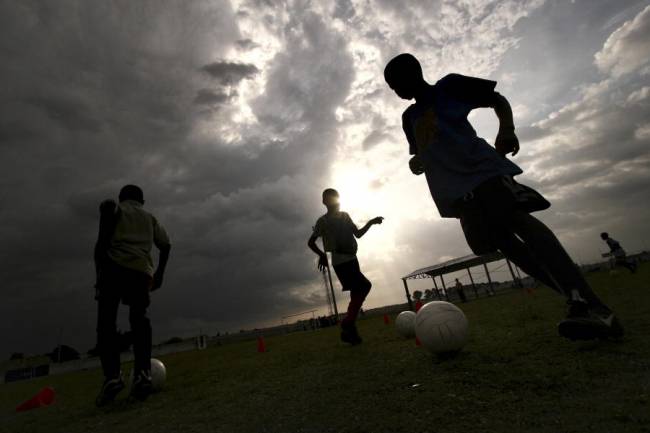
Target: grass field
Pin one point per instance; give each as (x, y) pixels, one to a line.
(515, 375)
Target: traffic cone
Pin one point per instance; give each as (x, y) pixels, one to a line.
(386, 319)
(44, 397)
(261, 345)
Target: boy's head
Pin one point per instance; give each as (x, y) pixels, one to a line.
(132, 192)
(604, 235)
(331, 198)
(403, 74)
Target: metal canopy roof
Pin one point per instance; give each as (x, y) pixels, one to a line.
(454, 265)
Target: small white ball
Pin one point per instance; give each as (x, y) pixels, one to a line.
(405, 324)
(441, 327)
(158, 374)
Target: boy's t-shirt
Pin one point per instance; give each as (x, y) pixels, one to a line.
(337, 231)
(455, 159)
(615, 247)
(136, 231)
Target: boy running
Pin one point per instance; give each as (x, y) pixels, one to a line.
(125, 274)
(338, 232)
(617, 252)
(472, 181)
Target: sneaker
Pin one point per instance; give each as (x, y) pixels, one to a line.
(350, 335)
(141, 387)
(583, 323)
(110, 389)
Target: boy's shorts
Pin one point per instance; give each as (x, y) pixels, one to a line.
(131, 286)
(485, 213)
(350, 276)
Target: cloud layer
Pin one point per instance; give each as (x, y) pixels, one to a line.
(234, 116)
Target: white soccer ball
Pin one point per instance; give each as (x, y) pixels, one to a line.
(441, 327)
(405, 324)
(158, 374)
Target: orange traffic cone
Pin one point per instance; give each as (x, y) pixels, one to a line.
(261, 345)
(386, 319)
(44, 397)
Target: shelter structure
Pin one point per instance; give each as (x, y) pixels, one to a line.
(455, 265)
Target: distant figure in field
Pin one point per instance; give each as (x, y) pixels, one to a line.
(472, 181)
(125, 273)
(417, 296)
(339, 232)
(461, 292)
(617, 252)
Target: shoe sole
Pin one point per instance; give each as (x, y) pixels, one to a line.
(577, 330)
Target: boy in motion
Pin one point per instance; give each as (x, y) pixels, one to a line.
(339, 232)
(125, 274)
(617, 252)
(472, 181)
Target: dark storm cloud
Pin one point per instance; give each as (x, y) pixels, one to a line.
(230, 72)
(210, 97)
(125, 103)
(245, 44)
(344, 10)
(71, 114)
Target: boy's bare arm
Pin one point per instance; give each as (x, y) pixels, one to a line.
(322, 257)
(360, 232)
(162, 264)
(506, 140)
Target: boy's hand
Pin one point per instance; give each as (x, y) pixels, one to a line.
(322, 263)
(157, 281)
(506, 142)
(377, 220)
(415, 164)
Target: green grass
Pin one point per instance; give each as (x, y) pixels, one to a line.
(515, 375)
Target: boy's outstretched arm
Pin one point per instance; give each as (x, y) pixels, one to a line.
(322, 257)
(360, 232)
(506, 141)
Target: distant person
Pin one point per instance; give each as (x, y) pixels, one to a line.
(125, 273)
(472, 181)
(417, 295)
(460, 290)
(339, 232)
(617, 252)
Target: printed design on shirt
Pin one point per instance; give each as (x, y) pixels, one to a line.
(426, 129)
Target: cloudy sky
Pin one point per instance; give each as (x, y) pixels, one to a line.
(234, 115)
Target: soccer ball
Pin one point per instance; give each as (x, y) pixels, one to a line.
(441, 327)
(158, 374)
(405, 324)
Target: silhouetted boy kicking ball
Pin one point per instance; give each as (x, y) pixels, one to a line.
(472, 181)
(125, 273)
(339, 233)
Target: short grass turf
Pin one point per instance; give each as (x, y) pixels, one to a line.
(515, 375)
